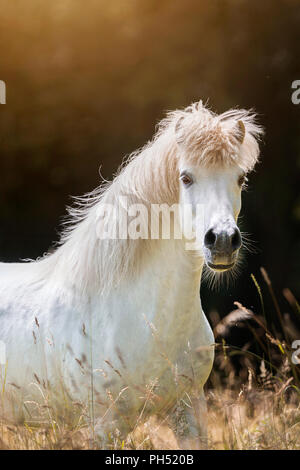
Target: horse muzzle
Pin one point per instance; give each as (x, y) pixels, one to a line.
(221, 248)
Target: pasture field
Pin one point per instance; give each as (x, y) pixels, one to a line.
(254, 406)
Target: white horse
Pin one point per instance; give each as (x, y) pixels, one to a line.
(117, 323)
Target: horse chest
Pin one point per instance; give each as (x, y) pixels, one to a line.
(154, 339)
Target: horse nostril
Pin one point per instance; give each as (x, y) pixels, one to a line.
(236, 240)
(210, 238)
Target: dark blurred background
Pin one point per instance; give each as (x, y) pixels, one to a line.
(88, 80)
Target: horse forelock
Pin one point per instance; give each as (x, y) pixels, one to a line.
(208, 139)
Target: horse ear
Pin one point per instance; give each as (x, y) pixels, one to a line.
(241, 131)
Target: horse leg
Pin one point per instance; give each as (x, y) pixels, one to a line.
(189, 422)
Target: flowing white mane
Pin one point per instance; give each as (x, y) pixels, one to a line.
(150, 175)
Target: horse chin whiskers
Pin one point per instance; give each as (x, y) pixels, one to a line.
(215, 279)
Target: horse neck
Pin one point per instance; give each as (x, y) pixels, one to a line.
(179, 268)
(90, 264)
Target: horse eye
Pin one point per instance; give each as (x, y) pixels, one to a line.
(186, 179)
(242, 180)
